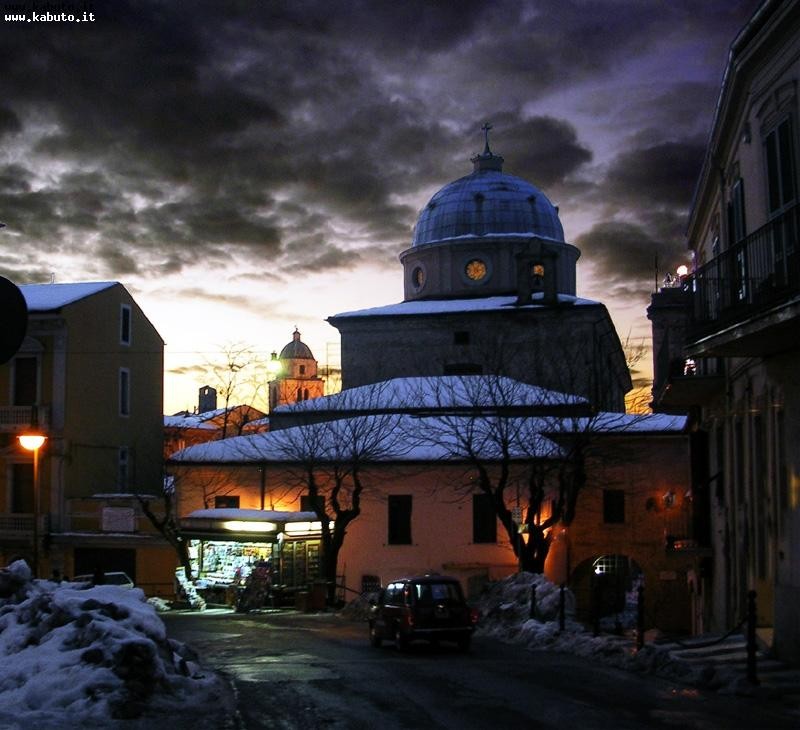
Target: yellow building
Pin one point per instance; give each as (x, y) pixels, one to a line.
(89, 377)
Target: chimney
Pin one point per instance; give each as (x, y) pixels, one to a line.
(207, 400)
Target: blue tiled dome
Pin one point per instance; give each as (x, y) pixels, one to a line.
(486, 203)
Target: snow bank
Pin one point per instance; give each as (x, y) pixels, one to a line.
(78, 656)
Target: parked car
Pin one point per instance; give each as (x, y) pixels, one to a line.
(113, 578)
(429, 607)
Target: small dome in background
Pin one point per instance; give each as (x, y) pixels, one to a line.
(296, 350)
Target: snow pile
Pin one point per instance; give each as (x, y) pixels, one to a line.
(505, 615)
(78, 656)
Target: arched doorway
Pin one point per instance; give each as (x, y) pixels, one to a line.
(605, 589)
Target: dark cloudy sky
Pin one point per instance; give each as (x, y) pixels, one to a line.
(245, 166)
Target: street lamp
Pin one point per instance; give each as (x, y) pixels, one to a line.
(33, 442)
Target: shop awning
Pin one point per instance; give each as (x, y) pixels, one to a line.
(248, 525)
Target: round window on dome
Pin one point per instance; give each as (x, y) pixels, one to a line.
(476, 270)
(418, 277)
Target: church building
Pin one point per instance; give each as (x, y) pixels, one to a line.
(489, 286)
(490, 342)
(296, 379)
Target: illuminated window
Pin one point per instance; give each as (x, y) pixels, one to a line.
(475, 270)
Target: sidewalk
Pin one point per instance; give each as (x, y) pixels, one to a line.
(723, 666)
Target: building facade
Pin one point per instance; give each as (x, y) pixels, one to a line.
(89, 377)
(731, 358)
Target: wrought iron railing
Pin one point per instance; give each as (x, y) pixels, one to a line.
(19, 418)
(21, 523)
(756, 274)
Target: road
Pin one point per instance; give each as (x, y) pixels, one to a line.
(314, 671)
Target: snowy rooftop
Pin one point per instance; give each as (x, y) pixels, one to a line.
(195, 420)
(377, 438)
(46, 297)
(445, 306)
(394, 437)
(422, 393)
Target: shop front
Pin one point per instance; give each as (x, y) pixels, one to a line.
(253, 558)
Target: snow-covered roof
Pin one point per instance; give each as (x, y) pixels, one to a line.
(390, 437)
(192, 421)
(46, 297)
(447, 391)
(376, 438)
(446, 306)
(204, 420)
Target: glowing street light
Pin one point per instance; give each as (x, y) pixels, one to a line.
(274, 365)
(33, 442)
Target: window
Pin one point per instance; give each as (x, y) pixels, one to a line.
(302, 369)
(399, 519)
(123, 470)
(125, 325)
(779, 153)
(124, 392)
(26, 372)
(737, 227)
(461, 338)
(307, 503)
(613, 506)
(227, 501)
(484, 520)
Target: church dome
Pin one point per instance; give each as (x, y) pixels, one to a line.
(296, 350)
(487, 202)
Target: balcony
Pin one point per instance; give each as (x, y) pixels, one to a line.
(19, 525)
(21, 418)
(746, 301)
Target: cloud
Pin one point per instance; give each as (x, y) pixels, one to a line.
(661, 174)
(624, 255)
(290, 137)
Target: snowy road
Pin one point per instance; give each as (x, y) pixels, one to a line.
(314, 671)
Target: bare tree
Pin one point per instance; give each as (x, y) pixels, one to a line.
(167, 522)
(239, 376)
(528, 449)
(330, 461)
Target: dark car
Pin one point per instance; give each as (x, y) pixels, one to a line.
(430, 607)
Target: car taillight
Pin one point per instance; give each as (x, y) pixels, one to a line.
(474, 616)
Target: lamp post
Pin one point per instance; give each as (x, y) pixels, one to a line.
(33, 442)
